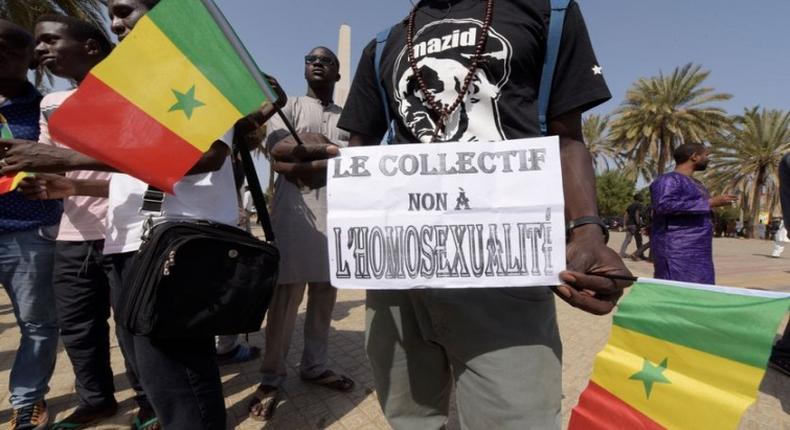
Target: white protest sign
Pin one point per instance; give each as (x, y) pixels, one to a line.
(454, 215)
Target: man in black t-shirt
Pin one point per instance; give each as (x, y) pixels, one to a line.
(500, 348)
(633, 225)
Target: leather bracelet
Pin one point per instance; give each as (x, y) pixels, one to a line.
(578, 222)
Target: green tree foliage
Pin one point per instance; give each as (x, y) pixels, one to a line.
(745, 160)
(661, 112)
(25, 12)
(615, 192)
(605, 156)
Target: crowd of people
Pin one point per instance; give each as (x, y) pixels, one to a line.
(68, 236)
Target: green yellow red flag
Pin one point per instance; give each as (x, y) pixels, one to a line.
(8, 182)
(174, 85)
(681, 356)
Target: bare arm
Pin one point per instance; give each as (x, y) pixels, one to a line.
(587, 253)
(212, 160)
(362, 140)
(47, 186)
(29, 156)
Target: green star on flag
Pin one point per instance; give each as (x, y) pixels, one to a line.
(186, 102)
(652, 374)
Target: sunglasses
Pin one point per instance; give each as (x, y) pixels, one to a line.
(326, 61)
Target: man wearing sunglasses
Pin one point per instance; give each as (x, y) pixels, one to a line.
(299, 220)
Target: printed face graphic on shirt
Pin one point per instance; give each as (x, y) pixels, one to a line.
(443, 51)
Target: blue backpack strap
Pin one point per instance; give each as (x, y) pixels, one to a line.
(381, 42)
(556, 23)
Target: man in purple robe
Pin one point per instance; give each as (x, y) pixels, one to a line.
(682, 230)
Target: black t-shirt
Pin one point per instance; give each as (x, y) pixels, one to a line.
(502, 101)
(634, 212)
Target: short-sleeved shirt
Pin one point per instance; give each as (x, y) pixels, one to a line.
(635, 213)
(17, 213)
(83, 217)
(207, 196)
(501, 103)
(299, 215)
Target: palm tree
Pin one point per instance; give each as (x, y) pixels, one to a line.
(662, 112)
(746, 160)
(25, 12)
(595, 129)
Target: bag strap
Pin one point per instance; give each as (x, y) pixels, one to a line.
(154, 199)
(258, 198)
(381, 43)
(556, 24)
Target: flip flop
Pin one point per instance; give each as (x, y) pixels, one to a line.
(333, 381)
(240, 354)
(65, 425)
(266, 398)
(151, 424)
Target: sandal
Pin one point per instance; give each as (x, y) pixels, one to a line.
(263, 403)
(333, 381)
(240, 354)
(146, 420)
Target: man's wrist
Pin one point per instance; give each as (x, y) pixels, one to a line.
(72, 161)
(591, 233)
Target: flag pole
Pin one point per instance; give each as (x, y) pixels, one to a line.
(248, 62)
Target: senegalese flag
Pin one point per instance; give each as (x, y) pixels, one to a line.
(166, 93)
(8, 183)
(681, 356)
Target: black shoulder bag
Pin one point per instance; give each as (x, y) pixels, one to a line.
(196, 278)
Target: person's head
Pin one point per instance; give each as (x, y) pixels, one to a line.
(321, 67)
(16, 51)
(695, 154)
(69, 47)
(124, 14)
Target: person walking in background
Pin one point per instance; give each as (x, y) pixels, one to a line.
(633, 226)
(647, 226)
(780, 238)
(682, 233)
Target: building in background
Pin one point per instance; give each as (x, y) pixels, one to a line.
(344, 55)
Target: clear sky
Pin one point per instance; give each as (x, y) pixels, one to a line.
(743, 43)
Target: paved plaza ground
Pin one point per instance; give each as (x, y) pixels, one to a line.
(739, 262)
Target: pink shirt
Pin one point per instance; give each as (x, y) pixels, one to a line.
(83, 217)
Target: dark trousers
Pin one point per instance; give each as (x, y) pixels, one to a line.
(631, 231)
(782, 347)
(82, 297)
(116, 265)
(179, 377)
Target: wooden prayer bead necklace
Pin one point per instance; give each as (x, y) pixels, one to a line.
(443, 113)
